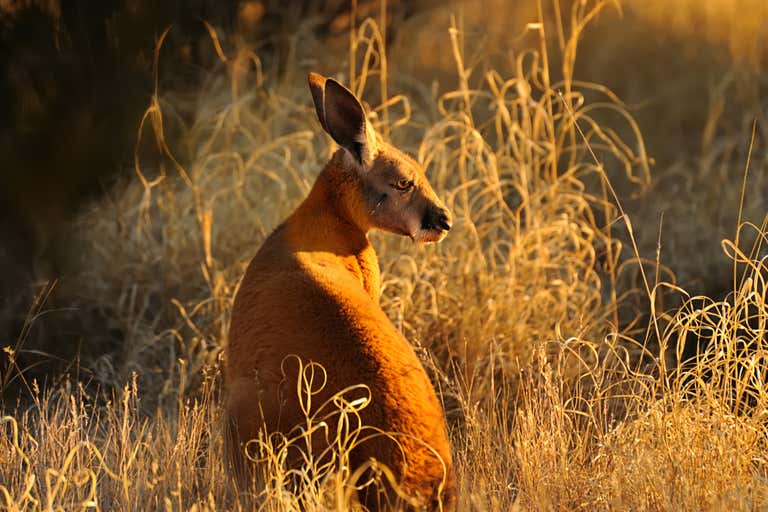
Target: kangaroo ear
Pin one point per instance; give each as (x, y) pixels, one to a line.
(342, 117)
(317, 88)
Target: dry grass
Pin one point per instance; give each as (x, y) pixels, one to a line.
(738, 26)
(557, 395)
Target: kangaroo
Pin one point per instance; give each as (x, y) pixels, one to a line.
(312, 291)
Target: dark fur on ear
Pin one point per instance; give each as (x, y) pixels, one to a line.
(341, 115)
(317, 88)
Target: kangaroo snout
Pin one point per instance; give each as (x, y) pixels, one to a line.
(434, 225)
(437, 219)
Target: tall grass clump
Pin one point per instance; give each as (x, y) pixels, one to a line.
(559, 394)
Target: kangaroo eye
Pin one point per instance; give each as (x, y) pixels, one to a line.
(404, 184)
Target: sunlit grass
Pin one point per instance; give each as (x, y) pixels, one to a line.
(737, 26)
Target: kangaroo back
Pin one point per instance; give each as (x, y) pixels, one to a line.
(312, 291)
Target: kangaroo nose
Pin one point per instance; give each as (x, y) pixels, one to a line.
(443, 221)
(437, 219)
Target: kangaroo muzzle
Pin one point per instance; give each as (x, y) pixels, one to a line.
(436, 219)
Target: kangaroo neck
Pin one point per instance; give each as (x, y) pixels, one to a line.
(331, 223)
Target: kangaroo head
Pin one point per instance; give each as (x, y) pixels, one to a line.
(393, 187)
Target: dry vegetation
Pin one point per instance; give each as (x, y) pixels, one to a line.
(563, 361)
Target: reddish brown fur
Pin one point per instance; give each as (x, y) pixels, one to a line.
(312, 290)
